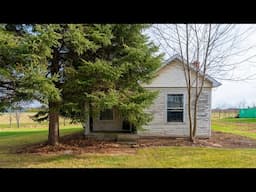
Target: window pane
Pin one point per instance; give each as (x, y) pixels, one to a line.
(106, 115)
(174, 116)
(175, 101)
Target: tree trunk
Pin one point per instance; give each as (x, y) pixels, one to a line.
(54, 106)
(86, 117)
(195, 118)
(53, 137)
(189, 115)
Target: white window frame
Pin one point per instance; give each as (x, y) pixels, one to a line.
(166, 107)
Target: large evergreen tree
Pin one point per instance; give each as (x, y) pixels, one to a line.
(111, 77)
(33, 59)
(75, 41)
(23, 65)
(78, 70)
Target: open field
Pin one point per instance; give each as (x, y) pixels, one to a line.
(27, 122)
(221, 114)
(239, 126)
(12, 139)
(226, 122)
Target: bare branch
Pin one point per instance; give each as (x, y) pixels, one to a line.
(217, 47)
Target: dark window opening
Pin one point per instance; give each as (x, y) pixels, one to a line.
(175, 108)
(107, 114)
(91, 123)
(126, 125)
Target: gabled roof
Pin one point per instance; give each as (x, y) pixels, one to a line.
(214, 82)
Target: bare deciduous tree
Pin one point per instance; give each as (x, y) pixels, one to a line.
(17, 117)
(205, 49)
(10, 119)
(16, 107)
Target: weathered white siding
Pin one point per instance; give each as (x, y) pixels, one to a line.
(160, 126)
(170, 80)
(108, 125)
(172, 75)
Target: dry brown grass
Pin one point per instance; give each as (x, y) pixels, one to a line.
(223, 114)
(26, 121)
(24, 118)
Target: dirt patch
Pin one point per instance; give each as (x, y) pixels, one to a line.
(228, 140)
(218, 139)
(77, 144)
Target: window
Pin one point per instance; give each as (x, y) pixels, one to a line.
(107, 114)
(175, 107)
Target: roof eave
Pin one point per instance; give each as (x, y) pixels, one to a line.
(216, 84)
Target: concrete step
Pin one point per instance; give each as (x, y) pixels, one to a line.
(129, 139)
(123, 138)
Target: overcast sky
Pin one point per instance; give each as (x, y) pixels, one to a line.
(236, 93)
(239, 93)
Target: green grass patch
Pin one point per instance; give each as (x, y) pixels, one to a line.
(239, 120)
(15, 138)
(24, 125)
(239, 126)
(233, 130)
(158, 157)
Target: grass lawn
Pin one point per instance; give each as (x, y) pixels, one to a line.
(239, 120)
(162, 157)
(154, 157)
(239, 126)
